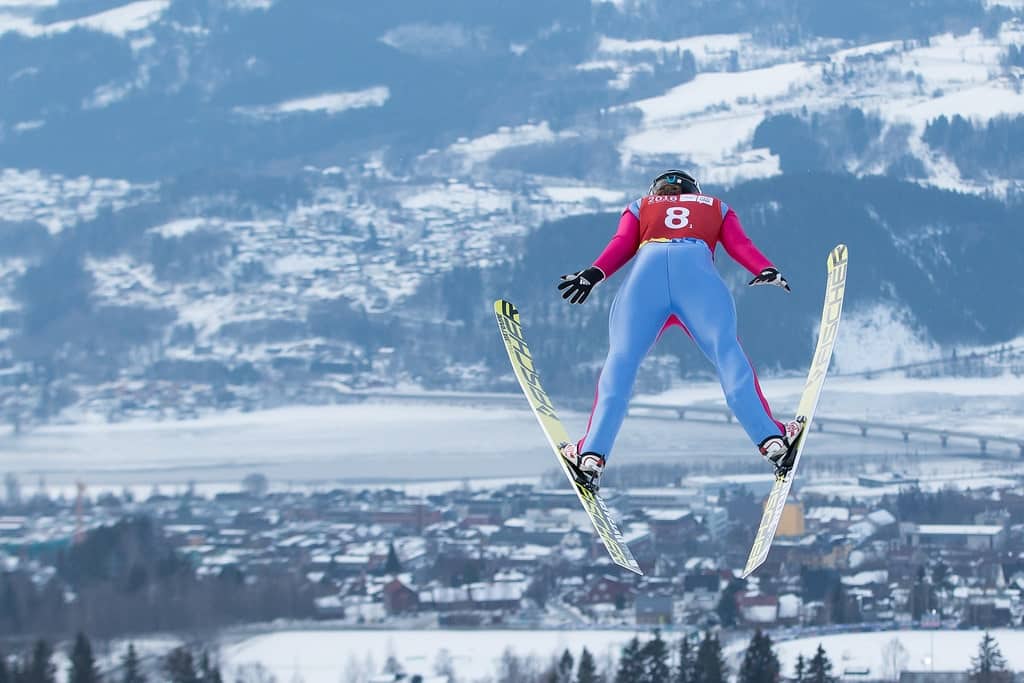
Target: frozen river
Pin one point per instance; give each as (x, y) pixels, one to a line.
(422, 440)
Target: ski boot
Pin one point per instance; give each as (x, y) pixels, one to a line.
(586, 467)
(781, 449)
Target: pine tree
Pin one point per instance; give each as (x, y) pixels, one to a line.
(5, 675)
(654, 658)
(83, 665)
(820, 668)
(631, 669)
(131, 667)
(800, 669)
(760, 664)
(683, 672)
(180, 666)
(727, 610)
(209, 672)
(41, 668)
(587, 670)
(392, 565)
(564, 669)
(989, 666)
(709, 666)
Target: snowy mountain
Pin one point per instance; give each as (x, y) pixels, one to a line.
(211, 203)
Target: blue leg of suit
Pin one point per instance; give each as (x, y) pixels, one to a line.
(676, 278)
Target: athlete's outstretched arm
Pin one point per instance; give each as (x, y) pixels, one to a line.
(622, 246)
(739, 246)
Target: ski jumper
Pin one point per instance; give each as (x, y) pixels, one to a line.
(674, 282)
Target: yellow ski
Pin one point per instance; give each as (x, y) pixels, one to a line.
(773, 507)
(540, 403)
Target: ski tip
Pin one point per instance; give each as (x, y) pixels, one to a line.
(838, 255)
(505, 308)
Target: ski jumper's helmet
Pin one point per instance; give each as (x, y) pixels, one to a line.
(683, 183)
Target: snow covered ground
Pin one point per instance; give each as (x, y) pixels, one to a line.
(324, 656)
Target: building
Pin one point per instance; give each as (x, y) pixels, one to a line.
(399, 598)
(792, 521)
(966, 536)
(653, 609)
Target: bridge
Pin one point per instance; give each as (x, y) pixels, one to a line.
(842, 425)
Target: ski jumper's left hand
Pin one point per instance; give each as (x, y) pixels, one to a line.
(770, 276)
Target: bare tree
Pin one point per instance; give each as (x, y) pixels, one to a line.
(894, 659)
(253, 672)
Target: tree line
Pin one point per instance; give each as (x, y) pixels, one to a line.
(691, 659)
(183, 664)
(694, 659)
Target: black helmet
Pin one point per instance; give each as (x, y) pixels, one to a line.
(686, 182)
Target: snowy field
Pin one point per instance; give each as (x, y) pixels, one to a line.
(324, 656)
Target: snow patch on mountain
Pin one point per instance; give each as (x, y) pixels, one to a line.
(715, 45)
(119, 21)
(250, 5)
(725, 90)
(326, 103)
(121, 280)
(879, 336)
(430, 40)
(57, 201)
(1009, 4)
(571, 194)
(180, 227)
(481, 149)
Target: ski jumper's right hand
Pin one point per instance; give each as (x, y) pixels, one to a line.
(576, 287)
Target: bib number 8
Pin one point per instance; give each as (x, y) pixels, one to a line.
(677, 218)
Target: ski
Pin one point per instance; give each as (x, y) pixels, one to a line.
(776, 502)
(525, 371)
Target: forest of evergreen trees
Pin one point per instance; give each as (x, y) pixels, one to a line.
(128, 578)
(980, 151)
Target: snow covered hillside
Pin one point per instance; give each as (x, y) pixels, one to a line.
(237, 217)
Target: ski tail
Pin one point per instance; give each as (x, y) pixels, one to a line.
(543, 409)
(830, 315)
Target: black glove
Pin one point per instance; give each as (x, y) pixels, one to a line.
(579, 284)
(770, 276)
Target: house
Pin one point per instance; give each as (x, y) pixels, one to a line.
(672, 528)
(707, 581)
(608, 589)
(757, 609)
(329, 607)
(398, 598)
(653, 609)
(494, 596)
